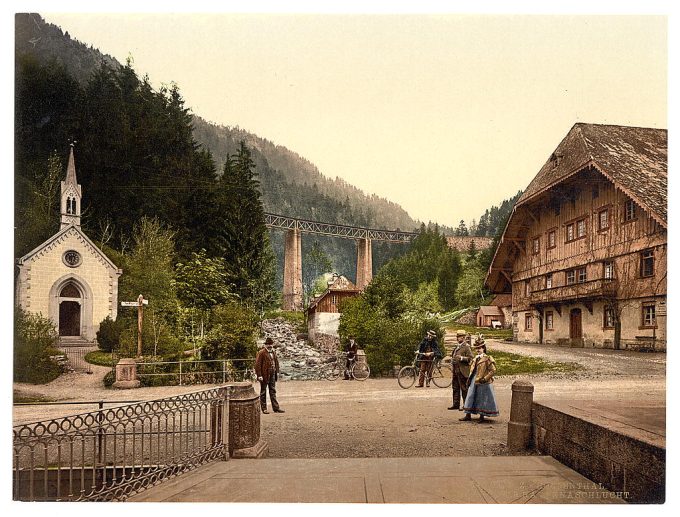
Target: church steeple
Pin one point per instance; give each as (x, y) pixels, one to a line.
(71, 195)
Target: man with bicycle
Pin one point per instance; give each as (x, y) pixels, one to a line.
(351, 349)
(428, 352)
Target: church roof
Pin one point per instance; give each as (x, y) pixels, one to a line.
(58, 237)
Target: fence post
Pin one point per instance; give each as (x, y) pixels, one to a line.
(100, 432)
(180, 372)
(224, 371)
(519, 427)
(225, 423)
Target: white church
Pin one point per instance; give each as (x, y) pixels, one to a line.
(68, 278)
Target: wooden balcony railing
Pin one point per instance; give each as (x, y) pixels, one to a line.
(590, 290)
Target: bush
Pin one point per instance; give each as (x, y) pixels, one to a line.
(386, 341)
(232, 335)
(108, 335)
(34, 340)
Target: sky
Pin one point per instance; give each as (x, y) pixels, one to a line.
(444, 114)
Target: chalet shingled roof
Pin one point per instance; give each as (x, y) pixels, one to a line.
(633, 158)
(490, 310)
(501, 300)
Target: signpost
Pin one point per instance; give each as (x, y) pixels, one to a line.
(140, 303)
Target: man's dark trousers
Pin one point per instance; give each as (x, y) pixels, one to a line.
(272, 393)
(459, 385)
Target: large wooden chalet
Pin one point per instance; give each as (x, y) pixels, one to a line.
(584, 250)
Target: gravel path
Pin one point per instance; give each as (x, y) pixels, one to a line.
(376, 418)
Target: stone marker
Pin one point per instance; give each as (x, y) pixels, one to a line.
(126, 374)
(519, 426)
(244, 422)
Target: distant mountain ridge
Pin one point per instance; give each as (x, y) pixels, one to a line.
(291, 185)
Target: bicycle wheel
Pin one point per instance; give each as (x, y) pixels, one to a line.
(334, 372)
(442, 375)
(360, 371)
(406, 377)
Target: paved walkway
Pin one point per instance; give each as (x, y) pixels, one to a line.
(519, 479)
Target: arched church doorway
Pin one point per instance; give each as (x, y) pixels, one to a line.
(70, 308)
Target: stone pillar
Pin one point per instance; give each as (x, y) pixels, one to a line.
(126, 374)
(292, 271)
(244, 422)
(364, 263)
(519, 427)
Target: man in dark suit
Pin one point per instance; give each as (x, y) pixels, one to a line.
(267, 370)
(461, 357)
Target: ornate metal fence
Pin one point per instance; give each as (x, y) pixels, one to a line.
(113, 453)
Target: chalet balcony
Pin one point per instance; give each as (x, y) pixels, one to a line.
(584, 291)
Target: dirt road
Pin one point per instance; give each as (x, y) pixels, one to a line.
(376, 418)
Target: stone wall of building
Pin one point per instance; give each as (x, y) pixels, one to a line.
(633, 334)
(41, 273)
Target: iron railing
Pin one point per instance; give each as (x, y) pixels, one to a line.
(113, 453)
(209, 371)
(337, 230)
(75, 357)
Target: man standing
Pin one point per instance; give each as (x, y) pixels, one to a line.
(461, 357)
(427, 352)
(351, 352)
(267, 370)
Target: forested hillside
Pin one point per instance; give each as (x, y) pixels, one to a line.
(290, 184)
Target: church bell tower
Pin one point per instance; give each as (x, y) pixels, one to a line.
(71, 195)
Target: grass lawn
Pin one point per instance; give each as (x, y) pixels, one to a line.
(516, 364)
(485, 331)
(100, 357)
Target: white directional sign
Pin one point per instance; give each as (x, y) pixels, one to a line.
(134, 304)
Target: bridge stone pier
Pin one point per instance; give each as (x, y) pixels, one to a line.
(292, 262)
(364, 263)
(292, 271)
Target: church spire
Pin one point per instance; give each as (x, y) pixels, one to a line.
(71, 195)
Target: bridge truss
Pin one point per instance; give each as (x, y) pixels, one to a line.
(337, 230)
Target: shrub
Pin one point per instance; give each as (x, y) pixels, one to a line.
(232, 334)
(108, 335)
(34, 340)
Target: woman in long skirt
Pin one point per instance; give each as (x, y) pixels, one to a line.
(481, 399)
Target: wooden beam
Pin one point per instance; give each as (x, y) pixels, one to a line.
(531, 214)
(507, 277)
(521, 250)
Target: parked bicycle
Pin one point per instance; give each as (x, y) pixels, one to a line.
(441, 374)
(357, 370)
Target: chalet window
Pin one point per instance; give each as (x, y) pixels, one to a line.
(551, 239)
(527, 288)
(571, 277)
(629, 211)
(548, 281)
(570, 232)
(549, 320)
(334, 299)
(536, 245)
(608, 270)
(647, 263)
(603, 220)
(608, 317)
(581, 275)
(596, 192)
(528, 322)
(648, 315)
(580, 228)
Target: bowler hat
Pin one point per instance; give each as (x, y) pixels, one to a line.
(269, 341)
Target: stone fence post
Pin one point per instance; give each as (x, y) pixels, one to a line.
(126, 374)
(519, 427)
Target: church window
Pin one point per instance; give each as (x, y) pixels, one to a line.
(72, 258)
(70, 291)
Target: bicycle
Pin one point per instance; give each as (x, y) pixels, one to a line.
(358, 371)
(440, 374)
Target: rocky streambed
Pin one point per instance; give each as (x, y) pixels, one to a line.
(298, 359)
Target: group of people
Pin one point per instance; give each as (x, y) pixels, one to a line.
(472, 374)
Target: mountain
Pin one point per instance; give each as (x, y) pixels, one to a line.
(290, 184)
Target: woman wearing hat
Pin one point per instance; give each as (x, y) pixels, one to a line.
(481, 399)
